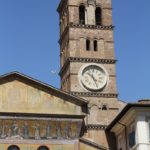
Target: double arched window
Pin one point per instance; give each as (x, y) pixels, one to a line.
(13, 147)
(98, 16)
(91, 45)
(82, 14)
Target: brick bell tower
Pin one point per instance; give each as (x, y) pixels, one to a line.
(88, 60)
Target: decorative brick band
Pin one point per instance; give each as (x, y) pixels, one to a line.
(96, 60)
(85, 60)
(88, 94)
(96, 127)
(87, 26)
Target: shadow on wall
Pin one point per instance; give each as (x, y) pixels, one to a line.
(111, 140)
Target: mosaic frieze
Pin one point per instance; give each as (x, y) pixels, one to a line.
(39, 130)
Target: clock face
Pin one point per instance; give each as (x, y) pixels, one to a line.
(93, 77)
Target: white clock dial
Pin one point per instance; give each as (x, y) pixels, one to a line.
(93, 77)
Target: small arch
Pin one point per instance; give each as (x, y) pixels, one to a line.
(98, 16)
(82, 14)
(43, 148)
(88, 45)
(95, 45)
(13, 147)
(104, 107)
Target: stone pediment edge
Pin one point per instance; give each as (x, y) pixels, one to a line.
(42, 86)
(92, 144)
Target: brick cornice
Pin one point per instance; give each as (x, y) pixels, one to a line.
(95, 94)
(87, 26)
(85, 60)
(95, 127)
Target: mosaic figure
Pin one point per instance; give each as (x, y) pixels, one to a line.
(26, 131)
(3, 131)
(37, 131)
(15, 129)
(48, 131)
(69, 131)
(9, 133)
(58, 130)
(66, 131)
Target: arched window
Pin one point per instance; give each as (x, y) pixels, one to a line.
(95, 45)
(98, 16)
(43, 148)
(13, 147)
(82, 14)
(88, 45)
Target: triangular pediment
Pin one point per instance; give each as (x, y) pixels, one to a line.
(22, 94)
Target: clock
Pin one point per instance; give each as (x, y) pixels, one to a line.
(93, 77)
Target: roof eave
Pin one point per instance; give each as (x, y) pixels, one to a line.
(123, 112)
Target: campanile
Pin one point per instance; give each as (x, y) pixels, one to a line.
(88, 60)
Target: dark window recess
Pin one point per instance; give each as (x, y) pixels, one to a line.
(98, 16)
(132, 139)
(13, 147)
(104, 107)
(95, 45)
(82, 14)
(43, 148)
(88, 45)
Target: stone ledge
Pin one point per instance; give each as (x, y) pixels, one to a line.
(87, 26)
(96, 127)
(88, 94)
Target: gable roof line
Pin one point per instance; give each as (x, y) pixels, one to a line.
(92, 144)
(71, 98)
(123, 112)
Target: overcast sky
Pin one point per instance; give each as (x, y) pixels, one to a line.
(29, 36)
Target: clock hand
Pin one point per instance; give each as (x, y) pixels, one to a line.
(95, 81)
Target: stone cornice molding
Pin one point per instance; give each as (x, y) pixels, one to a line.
(95, 127)
(87, 26)
(85, 60)
(45, 142)
(96, 94)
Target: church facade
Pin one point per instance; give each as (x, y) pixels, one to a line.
(37, 116)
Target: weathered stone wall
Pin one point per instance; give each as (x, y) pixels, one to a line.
(16, 97)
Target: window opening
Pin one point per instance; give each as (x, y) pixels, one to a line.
(43, 148)
(132, 137)
(88, 45)
(104, 107)
(98, 16)
(82, 14)
(13, 147)
(95, 45)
